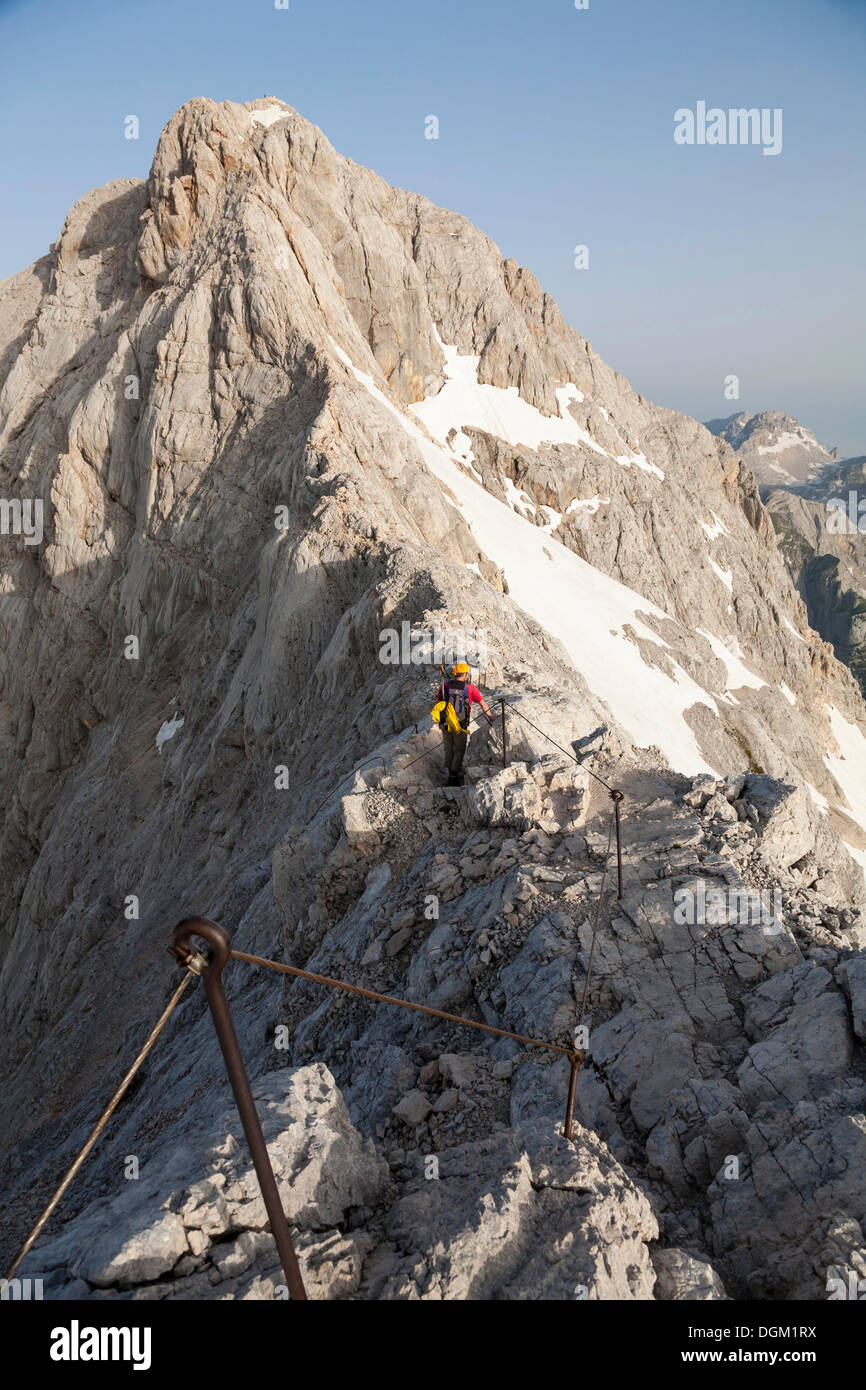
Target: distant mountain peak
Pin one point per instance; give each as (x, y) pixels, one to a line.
(776, 446)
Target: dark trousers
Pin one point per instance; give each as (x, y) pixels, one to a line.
(454, 747)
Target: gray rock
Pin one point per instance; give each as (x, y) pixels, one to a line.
(734, 785)
(684, 1277)
(137, 1258)
(700, 792)
(718, 808)
(851, 974)
(510, 797)
(413, 1109)
(522, 1216)
(460, 1071)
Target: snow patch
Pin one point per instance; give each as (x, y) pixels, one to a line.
(589, 504)
(736, 673)
(858, 855)
(718, 528)
(818, 797)
(463, 402)
(639, 461)
(517, 499)
(790, 439)
(726, 576)
(849, 766)
(583, 608)
(793, 631)
(266, 115)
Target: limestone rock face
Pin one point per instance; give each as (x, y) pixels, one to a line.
(288, 425)
(322, 1166)
(680, 1275)
(543, 1220)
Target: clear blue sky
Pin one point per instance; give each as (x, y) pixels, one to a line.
(556, 129)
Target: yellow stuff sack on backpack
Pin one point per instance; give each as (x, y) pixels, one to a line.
(444, 711)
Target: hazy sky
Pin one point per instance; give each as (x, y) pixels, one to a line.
(556, 129)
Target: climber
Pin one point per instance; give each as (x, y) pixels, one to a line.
(452, 712)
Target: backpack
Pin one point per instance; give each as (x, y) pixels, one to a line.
(459, 701)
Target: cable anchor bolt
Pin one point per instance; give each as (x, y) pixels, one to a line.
(195, 962)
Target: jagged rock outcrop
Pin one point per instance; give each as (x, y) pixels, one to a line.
(277, 410)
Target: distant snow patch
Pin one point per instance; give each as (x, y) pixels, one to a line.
(553, 519)
(517, 499)
(717, 529)
(737, 674)
(793, 631)
(583, 608)
(790, 440)
(639, 461)
(849, 766)
(266, 115)
(788, 694)
(501, 411)
(726, 576)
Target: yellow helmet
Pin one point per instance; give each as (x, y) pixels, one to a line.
(460, 669)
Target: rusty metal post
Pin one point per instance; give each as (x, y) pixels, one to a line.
(220, 942)
(616, 798)
(504, 745)
(572, 1087)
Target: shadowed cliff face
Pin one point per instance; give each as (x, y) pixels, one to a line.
(210, 385)
(819, 529)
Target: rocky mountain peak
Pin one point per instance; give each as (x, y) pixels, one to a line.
(777, 448)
